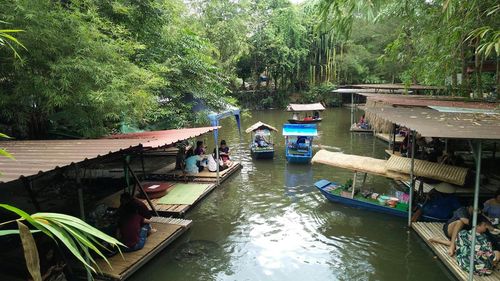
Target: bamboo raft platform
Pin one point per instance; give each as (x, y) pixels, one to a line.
(426, 230)
(388, 137)
(169, 172)
(168, 229)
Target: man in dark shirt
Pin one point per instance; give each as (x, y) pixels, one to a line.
(141, 208)
(461, 219)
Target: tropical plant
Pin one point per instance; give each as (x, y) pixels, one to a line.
(7, 39)
(78, 237)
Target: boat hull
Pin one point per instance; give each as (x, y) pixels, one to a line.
(293, 121)
(269, 154)
(298, 159)
(320, 185)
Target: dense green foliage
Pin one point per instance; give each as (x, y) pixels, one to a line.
(91, 66)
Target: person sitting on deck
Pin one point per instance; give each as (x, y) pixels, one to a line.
(212, 164)
(193, 161)
(440, 203)
(133, 227)
(485, 258)
(295, 116)
(461, 219)
(492, 206)
(224, 153)
(201, 151)
(142, 209)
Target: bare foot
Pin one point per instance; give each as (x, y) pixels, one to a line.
(451, 250)
(152, 230)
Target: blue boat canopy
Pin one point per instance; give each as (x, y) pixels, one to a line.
(306, 130)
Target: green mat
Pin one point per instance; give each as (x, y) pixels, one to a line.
(183, 194)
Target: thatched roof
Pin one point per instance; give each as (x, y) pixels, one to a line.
(396, 167)
(260, 125)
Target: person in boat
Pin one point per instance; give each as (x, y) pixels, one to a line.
(261, 141)
(308, 118)
(440, 203)
(141, 208)
(193, 163)
(295, 116)
(485, 257)
(461, 219)
(316, 114)
(362, 122)
(301, 142)
(133, 227)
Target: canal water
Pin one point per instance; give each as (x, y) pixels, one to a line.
(268, 222)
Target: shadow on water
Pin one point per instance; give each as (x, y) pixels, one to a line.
(267, 222)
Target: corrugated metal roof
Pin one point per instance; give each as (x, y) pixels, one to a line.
(305, 107)
(418, 100)
(431, 123)
(37, 156)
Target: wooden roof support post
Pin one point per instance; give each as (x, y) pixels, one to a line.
(134, 176)
(352, 109)
(412, 178)
(477, 153)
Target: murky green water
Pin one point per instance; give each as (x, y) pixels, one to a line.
(267, 222)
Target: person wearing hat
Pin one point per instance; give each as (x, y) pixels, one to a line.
(439, 203)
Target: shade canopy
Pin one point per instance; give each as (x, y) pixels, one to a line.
(259, 126)
(306, 130)
(305, 107)
(431, 123)
(39, 156)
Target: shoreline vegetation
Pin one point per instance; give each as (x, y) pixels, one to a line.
(88, 68)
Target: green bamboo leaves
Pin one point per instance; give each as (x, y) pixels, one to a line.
(77, 236)
(30, 251)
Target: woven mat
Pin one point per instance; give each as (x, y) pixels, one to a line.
(183, 193)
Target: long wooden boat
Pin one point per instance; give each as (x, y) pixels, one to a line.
(298, 142)
(356, 129)
(308, 118)
(312, 121)
(334, 193)
(261, 146)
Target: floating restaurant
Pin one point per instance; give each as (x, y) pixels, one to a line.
(60, 176)
(475, 128)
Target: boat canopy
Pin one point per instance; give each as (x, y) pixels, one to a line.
(305, 107)
(259, 126)
(306, 130)
(396, 167)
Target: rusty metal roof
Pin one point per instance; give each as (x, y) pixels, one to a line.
(419, 100)
(432, 123)
(38, 156)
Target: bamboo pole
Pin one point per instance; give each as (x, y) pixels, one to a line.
(412, 180)
(476, 203)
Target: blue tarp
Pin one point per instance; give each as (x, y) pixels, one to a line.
(214, 118)
(300, 130)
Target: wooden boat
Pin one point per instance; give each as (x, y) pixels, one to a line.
(358, 129)
(335, 193)
(310, 113)
(262, 146)
(298, 142)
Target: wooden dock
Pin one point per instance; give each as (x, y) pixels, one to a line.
(169, 172)
(388, 138)
(426, 230)
(123, 267)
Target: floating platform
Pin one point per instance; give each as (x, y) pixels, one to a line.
(427, 230)
(168, 230)
(169, 173)
(388, 137)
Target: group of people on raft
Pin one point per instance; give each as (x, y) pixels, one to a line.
(197, 159)
(458, 229)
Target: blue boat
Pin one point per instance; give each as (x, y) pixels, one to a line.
(298, 142)
(335, 193)
(261, 146)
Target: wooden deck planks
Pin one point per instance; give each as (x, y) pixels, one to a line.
(426, 230)
(122, 268)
